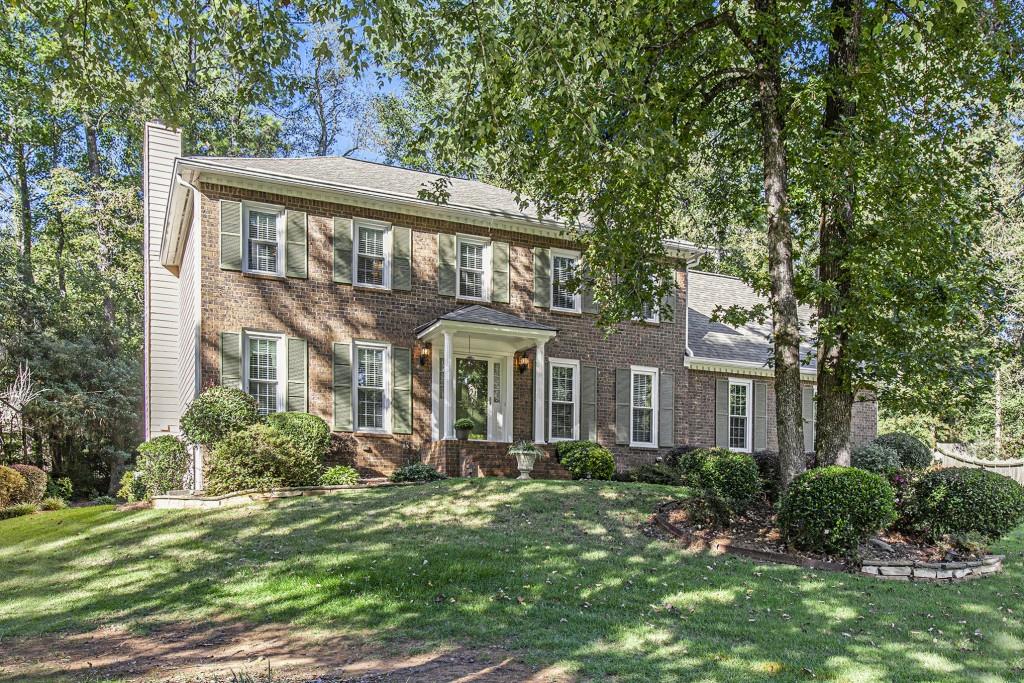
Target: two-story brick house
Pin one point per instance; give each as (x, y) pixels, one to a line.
(327, 285)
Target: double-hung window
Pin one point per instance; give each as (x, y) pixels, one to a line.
(263, 371)
(372, 253)
(264, 234)
(473, 266)
(740, 402)
(644, 407)
(563, 267)
(649, 313)
(564, 409)
(372, 370)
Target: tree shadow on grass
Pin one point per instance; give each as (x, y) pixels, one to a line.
(560, 571)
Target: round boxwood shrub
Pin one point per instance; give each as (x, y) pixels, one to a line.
(418, 471)
(35, 483)
(874, 457)
(586, 459)
(913, 453)
(132, 488)
(12, 486)
(216, 413)
(309, 433)
(340, 475)
(164, 464)
(964, 500)
(731, 476)
(833, 509)
(259, 457)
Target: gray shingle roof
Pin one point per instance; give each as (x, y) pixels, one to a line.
(718, 341)
(482, 315)
(393, 180)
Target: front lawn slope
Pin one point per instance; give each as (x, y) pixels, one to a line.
(559, 571)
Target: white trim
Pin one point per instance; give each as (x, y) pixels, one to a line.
(575, 365)
(485, 285)
(741, 367)
(386, 417)
(749, 417)
(356, 243)
(261, 207)
(282, 362)
(539, 362)
(577, 297)
(435, 394)
(644, 370)
(448, 377)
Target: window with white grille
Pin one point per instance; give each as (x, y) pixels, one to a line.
(371, 388)
(262, 372)
(644, 391)
(563, 267)
(739, 415)
(563, 392)
(472, 265)
(263, 235)
(371, 255)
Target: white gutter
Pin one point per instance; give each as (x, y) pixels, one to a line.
(740, 367)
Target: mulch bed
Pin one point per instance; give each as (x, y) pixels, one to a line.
(755, 536)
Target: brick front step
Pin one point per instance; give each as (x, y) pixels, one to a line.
(488, 459)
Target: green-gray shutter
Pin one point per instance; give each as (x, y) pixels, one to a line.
(230, 235)
(668, 304)
(541, 277)
(499, 272)
(760, 416)
(588, 403)
(231, 359)
(295, 244)
(296, 399)
(401, 258)
(666, 409)
(622, 405)
(342, 386)
(401, 390)
(807, 401)
(446, 264)
(722, 413)
(343, 250)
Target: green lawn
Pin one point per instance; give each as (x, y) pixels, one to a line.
(557, 570)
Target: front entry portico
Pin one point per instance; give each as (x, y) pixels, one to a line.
(473, 373)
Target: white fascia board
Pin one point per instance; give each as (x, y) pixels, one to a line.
(741, 367)
(442, 326)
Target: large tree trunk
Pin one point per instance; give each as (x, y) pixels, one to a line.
(785, 323)
(24, 216)
(103, 231)
(835, 370)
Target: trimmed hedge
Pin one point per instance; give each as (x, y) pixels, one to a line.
(340, 475)
(259, 457)
(417, 471)
(19, 510)
(163, 465)
(657, 473)
(586, 459)
(964, 500)
(730, 476)
(35, 483)
(833, 509)
(874, 457)
(12, 486)
(217, 413)
(310, 433)
(913, 453)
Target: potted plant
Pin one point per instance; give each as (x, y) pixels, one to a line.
(462, 428)
(526, 454)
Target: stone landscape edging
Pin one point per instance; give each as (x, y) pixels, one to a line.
(188, 501)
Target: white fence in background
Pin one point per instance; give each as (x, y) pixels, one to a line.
(956, 455)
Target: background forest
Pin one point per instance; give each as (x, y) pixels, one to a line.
(78, 81)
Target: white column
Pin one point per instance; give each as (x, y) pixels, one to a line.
(448, 366)
(538, 395)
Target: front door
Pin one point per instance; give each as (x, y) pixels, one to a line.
(480, 396)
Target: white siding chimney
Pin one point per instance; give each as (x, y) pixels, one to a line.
(160, 366)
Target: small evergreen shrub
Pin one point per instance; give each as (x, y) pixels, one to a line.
(586, 459)
(733, 477)
(874, 457)
(259, 457)
(913, 453)
(309, 433)
(51, 503)
(656, 473)
(12, 486)
(18, 510)
(35, 483)
(769, 471)
(964, 500)
(217, 413)
(833, 509)
(417, 471)
(673, 456)
(164, 464)
(105, 500)
(340, 475)
(132, 488)
(60, 488)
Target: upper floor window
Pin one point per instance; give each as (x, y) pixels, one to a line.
(739, 414)
(263, 372)
(563, 267)
(563, 416)
(264, 237)
(473, 264)
(644, 407)
(373, 253)
(371, 385)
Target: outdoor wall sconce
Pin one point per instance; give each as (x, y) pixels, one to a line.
(424, 354)
(522, 363)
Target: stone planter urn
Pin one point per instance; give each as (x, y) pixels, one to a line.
(526, 454)
(463, 427)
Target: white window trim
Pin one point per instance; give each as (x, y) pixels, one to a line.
(263, 208)
(282, 362)
(749, 431)
(575, 365)
(386, 421)
(486, 285)
(377, 225)
(644, 370)
(576, 297)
